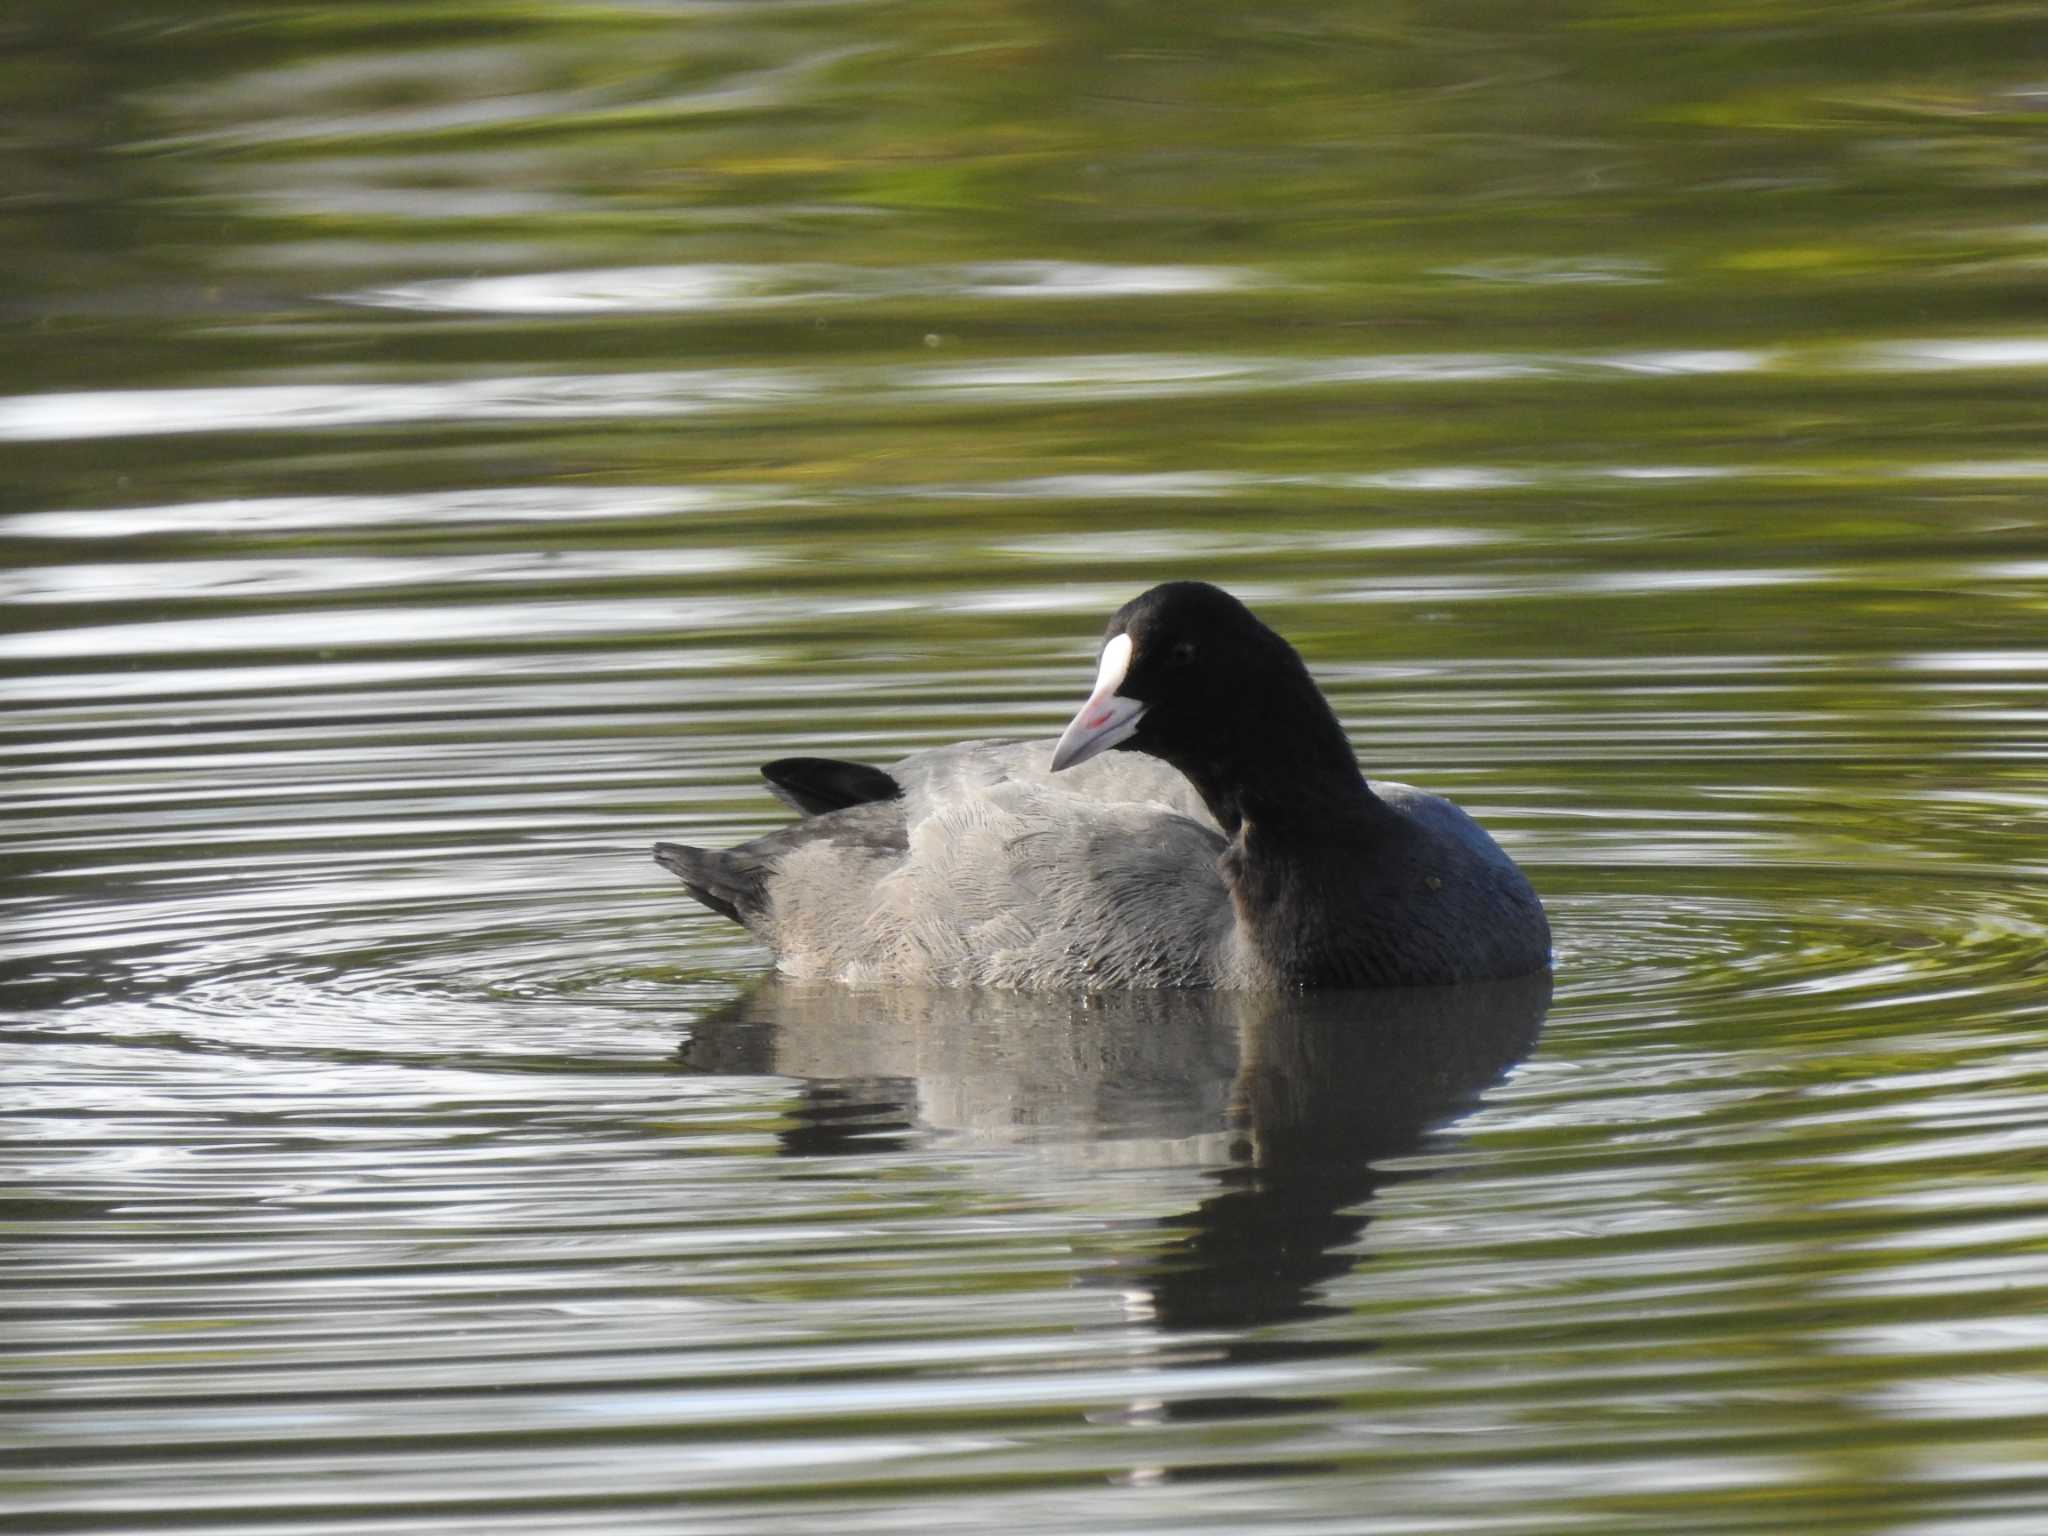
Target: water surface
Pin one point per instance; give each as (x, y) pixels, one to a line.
(450, 446)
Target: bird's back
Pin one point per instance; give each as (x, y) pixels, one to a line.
(985, 870)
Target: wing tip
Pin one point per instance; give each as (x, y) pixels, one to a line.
(815, 785)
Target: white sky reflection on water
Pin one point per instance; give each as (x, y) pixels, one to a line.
(557, 397)
(726, 285)
(515, 504)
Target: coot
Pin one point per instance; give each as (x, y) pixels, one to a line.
(1228, 840)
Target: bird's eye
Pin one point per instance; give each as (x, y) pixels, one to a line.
(1182, 653)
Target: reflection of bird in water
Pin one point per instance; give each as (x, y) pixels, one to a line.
(1069, 1070)
(1290, 1100)
(1331, 1086)
(1231, 843)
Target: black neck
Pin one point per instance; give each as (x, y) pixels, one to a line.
(1285, 767)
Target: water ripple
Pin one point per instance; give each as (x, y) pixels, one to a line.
(1150, 376)
(723, 286)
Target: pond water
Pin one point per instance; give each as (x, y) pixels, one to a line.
(450, 446)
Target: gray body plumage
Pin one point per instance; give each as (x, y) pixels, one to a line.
(987, 870)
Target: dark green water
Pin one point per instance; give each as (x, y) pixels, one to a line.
(449, 445)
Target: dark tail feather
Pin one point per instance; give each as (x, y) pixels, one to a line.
(814, 785)
(727, 882)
